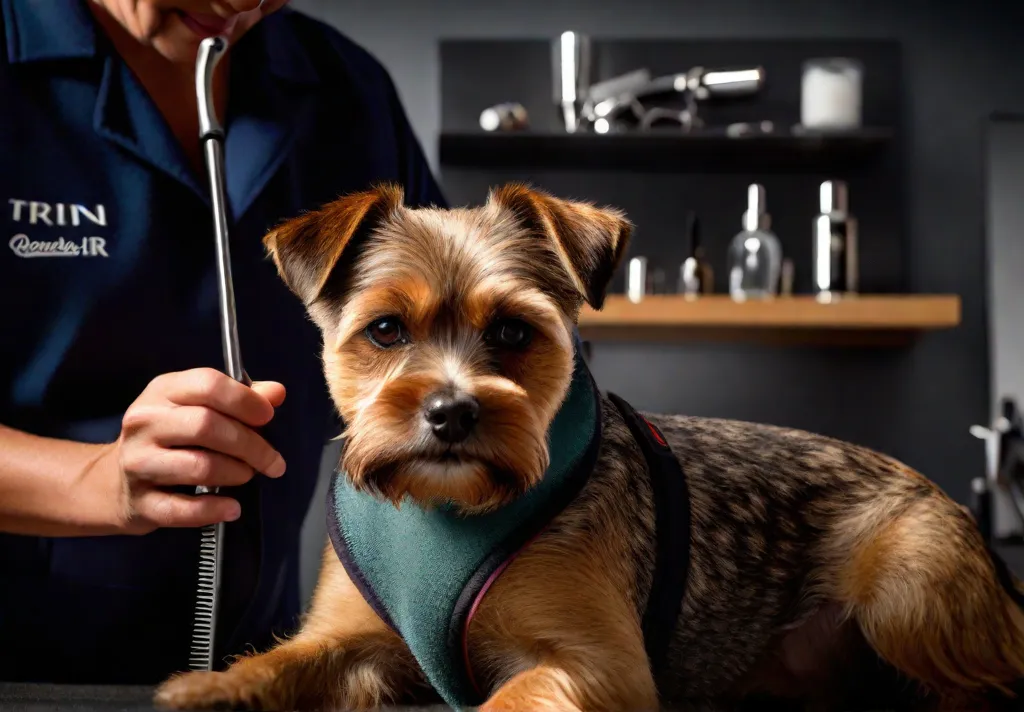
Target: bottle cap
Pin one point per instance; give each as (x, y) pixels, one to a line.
(833, 197)
(756, 217)
(636, 279)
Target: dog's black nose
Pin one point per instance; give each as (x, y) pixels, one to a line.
(452, 417)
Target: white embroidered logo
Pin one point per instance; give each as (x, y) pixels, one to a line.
(22, 246)
(36, 212)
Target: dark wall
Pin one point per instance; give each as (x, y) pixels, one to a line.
(961, 63)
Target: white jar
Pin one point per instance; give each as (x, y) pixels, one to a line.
(830, 94)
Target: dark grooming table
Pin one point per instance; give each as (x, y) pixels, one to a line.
(25, 697)
(19, 697)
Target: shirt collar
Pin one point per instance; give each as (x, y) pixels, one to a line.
(39, 30)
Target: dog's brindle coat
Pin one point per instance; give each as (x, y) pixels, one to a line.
(811, 559)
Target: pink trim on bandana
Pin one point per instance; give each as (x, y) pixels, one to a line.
(476, 604)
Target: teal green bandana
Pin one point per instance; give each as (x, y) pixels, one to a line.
(425, 571)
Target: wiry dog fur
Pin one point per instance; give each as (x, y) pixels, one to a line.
(813, 560)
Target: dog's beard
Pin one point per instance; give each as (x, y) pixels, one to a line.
(388, 451)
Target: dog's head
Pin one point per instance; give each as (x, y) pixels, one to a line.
(448, 333)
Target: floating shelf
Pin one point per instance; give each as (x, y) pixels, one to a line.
(859, 320)
(662, 150)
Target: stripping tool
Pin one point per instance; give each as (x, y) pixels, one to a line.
(211, 135)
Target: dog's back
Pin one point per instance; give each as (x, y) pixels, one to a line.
(811, 557)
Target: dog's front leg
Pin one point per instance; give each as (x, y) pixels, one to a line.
(344, 656)
(550, 689)
(559, 630)
(545, 688)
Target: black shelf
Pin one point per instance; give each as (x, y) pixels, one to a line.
(663, 150)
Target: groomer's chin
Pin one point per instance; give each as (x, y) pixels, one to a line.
(182, 32)
(174, 28)
(184, 24)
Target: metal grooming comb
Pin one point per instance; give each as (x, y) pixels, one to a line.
(211, 135)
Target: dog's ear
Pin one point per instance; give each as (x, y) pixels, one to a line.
(590, 241)
(306, 249)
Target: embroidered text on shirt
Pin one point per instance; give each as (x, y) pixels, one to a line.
(91, 246)
(42, 215)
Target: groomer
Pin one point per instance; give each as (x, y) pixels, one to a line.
(112, 405)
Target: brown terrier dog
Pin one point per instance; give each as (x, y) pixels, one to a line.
(807, 556)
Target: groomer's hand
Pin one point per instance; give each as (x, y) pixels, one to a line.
(186, 429)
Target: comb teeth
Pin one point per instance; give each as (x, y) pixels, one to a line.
(205, 621)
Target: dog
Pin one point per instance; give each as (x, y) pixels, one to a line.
(816, 571)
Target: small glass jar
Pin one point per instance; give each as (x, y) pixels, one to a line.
(755, 254)
(830, 94)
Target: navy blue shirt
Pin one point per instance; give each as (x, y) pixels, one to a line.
(107, 280)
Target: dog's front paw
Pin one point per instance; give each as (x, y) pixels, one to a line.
(209, 690)
(542, 689)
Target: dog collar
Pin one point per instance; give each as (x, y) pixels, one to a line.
(425, 571)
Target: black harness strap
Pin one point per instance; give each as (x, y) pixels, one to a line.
(672, 534)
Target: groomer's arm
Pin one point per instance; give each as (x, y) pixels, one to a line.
(187, 429)
(56, 487)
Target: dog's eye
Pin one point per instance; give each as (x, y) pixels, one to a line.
(386, 332)
(509, 334)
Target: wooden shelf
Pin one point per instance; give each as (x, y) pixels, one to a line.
(662, 150)
(859, 320)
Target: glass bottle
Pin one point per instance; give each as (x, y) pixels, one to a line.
(755, 254)
(835, 243)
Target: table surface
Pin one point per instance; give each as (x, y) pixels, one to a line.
(26, 697)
